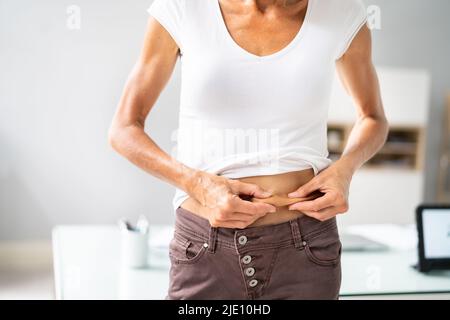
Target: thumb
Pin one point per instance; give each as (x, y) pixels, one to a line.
(253, 190)
(305, 190)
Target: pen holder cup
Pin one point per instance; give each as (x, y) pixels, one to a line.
(134, 249)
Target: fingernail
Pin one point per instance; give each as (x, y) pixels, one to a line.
(272, 210)
(266, 194)
(293, 195)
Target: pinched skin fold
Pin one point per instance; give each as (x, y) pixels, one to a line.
(282, 201)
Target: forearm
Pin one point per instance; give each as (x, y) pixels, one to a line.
(366, 139)
(134, 144)
(127, 135)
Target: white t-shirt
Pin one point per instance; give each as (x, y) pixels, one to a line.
(245, 115)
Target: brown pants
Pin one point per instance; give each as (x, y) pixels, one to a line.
(299, 259)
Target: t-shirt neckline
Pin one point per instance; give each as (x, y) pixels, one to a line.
(299, 36)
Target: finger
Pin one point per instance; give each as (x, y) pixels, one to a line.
(252, 190)
(324, 214)
(318, 204)
(254, 208)
(306, 189)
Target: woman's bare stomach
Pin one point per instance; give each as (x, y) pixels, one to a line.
(280, 185)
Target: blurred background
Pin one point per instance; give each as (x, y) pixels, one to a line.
(63, 65)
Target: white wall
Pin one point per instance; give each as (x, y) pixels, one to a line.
(415, 34)
(59, 89)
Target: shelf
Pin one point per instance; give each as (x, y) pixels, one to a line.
(403, 149)
(394, 149)
(443, 187)
(399, 148)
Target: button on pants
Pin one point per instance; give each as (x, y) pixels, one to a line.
(299, 259)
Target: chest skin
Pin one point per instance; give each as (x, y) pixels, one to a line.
(263, 31)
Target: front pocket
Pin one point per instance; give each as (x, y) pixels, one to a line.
(325, 248)
(186, 250)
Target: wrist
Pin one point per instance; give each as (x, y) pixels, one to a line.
(347, 166)
(192, 179)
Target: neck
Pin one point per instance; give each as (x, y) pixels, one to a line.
(264, 4)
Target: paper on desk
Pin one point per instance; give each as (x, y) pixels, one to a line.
(160, 238)
(394, 236)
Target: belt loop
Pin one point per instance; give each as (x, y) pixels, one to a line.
(212, 239)
(296, 234)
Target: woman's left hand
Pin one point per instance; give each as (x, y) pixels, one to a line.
(334, 183)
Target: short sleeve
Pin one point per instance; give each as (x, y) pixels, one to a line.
(170, 14)
(356, 18)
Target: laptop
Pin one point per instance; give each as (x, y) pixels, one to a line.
(356, 243)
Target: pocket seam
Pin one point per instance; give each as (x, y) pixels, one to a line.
(185, 245)
(321, 262)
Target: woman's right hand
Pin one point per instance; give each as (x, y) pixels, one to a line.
(220, 197)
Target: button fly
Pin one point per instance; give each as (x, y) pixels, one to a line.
(249, 272)
(253, 283)
(242, 240)
(246, 259)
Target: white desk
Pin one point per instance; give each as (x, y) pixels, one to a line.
(87, 266)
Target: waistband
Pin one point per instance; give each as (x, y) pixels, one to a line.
(294, 232)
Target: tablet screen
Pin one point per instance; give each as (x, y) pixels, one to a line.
(436, 233)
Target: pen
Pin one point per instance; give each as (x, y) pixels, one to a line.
(142, 224)
(124, 225)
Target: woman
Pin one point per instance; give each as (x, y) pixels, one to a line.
(256, 195)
